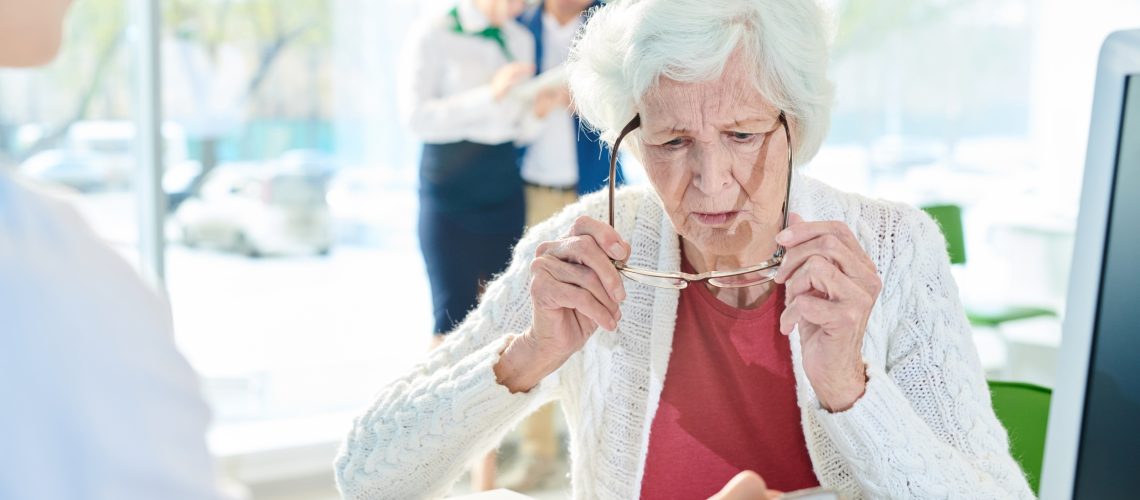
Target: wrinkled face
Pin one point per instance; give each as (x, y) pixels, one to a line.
(30, 31)
(718, 157)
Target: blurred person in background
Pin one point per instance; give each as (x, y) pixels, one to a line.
(98, 402)
(565, 161)
(697, 328)
(457, 75)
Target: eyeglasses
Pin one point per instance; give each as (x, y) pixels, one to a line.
(745, 277)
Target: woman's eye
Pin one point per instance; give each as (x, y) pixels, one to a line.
(675, 143)
(742, 136)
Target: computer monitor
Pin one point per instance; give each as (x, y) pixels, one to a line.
(1092, 445)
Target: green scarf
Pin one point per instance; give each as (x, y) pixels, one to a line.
(491, 33)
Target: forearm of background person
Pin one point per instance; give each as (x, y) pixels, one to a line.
(475, 114)
(531, 126)
(933, 381)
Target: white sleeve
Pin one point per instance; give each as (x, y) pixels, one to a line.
(925, 427)
(425, 427)
(433, 117)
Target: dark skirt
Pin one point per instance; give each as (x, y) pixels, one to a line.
(471, 214)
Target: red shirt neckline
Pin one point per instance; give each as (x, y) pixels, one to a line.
(728, 402)
(708, 299)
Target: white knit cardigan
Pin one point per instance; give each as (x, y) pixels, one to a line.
(924, 428)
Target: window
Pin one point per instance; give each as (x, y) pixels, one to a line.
(983, 105)
(292, 260)
(69, 125)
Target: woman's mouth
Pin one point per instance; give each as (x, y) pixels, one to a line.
(715, 218)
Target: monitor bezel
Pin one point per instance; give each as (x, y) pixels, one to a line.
(1119, 58)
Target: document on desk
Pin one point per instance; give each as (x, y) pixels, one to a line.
(527, 91)
(811, 494)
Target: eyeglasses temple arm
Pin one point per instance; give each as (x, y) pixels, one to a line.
(787, 192)
(629, 127)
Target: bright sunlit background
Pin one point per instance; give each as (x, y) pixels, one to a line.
(291, 257)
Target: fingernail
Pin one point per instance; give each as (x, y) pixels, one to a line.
(616, 251)
(784, 237)
(619, 294)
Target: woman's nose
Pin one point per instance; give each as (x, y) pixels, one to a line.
(712, 169)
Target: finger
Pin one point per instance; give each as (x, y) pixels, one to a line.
(522, 72)
(830, 246)
(820, 274)
(606, 236)
(585, 250)
(613, 246)
(552, 294)
(789, 319)
(581, 276)
(828, 315)
(800, 284)
(746, 485)
(798, 233)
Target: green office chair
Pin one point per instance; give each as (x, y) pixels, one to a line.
(949, 218)
(1024, 411)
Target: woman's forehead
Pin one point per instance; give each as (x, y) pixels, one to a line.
(733, 97)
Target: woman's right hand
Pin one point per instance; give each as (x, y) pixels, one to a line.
(508, 76)
(574, 288)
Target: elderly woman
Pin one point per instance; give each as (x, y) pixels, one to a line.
(680, 354)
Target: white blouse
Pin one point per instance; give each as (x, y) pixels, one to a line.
(445, 81)
(552, 160)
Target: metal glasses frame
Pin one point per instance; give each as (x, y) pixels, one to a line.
(679, 280)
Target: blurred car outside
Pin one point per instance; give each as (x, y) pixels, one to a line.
(258, 209)
(373, 206)
(65, 168)
(109, 144)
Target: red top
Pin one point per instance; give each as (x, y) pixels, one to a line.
(729, 402)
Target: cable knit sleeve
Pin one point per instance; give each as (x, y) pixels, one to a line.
(925, 427)
(424, 428)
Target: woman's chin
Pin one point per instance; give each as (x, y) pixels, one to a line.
(721, 241)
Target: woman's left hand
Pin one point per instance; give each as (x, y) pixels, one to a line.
(830, 286)
(746, 485)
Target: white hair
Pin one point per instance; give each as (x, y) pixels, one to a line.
(629, 44)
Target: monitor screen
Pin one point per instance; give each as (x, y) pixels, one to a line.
(1107, 462)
